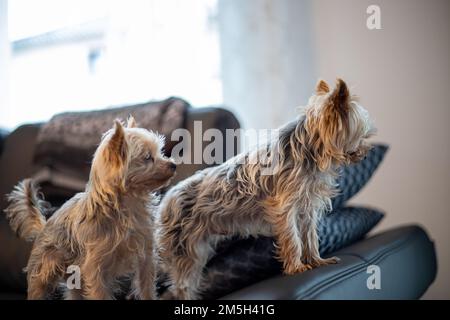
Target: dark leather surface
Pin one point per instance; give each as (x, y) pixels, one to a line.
(405, 255)
(3, 134)
(15, 164)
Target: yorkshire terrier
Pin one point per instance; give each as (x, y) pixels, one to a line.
(107, 230)
(235, 198)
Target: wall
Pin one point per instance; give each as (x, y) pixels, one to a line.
(274, 51)
(266, 55)
(4, 58)
(402, 74)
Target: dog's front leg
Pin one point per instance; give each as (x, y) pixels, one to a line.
(96, 284)
(311, 256)
(43, 272)
(143, 284)
(287, 234)
(37, 288)
(186, 271)
(95, 289)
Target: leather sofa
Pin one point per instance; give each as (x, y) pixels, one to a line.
(405, 255)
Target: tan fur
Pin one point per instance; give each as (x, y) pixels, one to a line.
(236, 199)
(322, 87)
(107, 230)
(24, 214)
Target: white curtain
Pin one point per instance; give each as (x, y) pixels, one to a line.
(130, 51)
(267, 59)
(4, 63)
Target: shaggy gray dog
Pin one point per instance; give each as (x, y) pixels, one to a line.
(235, 198)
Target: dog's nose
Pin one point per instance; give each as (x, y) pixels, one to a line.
(172, 166)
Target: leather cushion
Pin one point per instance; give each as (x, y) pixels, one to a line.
(406, 258)
(3, 134)
(241, 262)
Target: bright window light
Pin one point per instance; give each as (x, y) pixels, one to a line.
(69, 55)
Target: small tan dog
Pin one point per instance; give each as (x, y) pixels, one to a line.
(107, 230)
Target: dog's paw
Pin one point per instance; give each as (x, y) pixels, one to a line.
(297, 269)
(324, 262)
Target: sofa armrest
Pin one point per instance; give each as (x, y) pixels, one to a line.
(405, 255)
(3, 135)
(16, 163)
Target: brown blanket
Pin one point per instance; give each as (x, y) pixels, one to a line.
(67, 142)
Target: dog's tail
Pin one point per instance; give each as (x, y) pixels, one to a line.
(26, 210)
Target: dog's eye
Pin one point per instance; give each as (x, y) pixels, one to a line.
(148, 157)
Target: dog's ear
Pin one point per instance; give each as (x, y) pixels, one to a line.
(115, 154)
(322, 87)
(340, 97)
(117, 146)
(329, 128)
(131, 123)
(110, 163)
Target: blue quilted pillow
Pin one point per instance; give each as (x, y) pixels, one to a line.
(354, 177)
(242, 262)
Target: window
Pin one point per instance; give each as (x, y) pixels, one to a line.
(86, 54)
